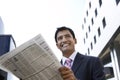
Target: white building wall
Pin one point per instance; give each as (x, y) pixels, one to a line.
(111, 12)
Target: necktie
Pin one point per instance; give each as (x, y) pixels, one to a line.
(68, 63)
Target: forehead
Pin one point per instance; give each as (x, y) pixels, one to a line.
(63, 32)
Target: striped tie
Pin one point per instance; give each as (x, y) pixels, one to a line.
(68, 63)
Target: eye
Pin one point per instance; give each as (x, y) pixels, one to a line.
(68, 36)
(59, 38)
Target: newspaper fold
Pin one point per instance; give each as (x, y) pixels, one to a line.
(33, 60)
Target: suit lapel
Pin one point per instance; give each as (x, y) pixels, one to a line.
(61, 62)
(77, 62)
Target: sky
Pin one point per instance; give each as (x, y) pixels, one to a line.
(24, 19)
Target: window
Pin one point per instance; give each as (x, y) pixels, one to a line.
(85, 53)
(117, 2)
(82, 26)
(87, 12)
(89, 4)
(88, 51)
(96, 12)
(99, 32)
(91, 45)
(92, 21)
(100, 2)
(104, 22)
(89, 28)
(86, 35)
(84, 20)
(84, 40)
(95, 39)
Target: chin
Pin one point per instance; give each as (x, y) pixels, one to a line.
(65, 51)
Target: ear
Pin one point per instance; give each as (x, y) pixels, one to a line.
(57, 45)
(75, 41)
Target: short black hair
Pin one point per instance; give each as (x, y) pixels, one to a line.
(61, 29)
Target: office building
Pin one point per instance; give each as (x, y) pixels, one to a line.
(101, 34)
(1, 26)
(7, 44)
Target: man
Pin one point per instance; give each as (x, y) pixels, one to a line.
(82, 67)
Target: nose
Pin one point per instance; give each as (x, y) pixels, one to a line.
(64, 39)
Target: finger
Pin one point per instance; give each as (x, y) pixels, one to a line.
(63, 68)
(67, 74)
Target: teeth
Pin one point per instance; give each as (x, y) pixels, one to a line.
(65, 45)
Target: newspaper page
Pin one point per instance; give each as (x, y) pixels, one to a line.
(33, 60)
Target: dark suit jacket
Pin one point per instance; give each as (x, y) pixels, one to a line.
(87, 68)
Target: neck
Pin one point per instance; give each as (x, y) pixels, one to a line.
(68, 53)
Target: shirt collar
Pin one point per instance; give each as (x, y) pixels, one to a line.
(71, 57)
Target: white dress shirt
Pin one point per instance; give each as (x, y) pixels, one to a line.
(71, 57)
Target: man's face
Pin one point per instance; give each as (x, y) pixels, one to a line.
(65, 41)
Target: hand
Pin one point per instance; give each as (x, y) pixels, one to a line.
(66, 73)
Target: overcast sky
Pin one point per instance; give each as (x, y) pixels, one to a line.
(25, 19)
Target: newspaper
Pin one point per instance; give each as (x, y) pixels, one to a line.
(33, 60)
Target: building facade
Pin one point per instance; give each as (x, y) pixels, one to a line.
(7, 44)
(1, 26)
(101, 34)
